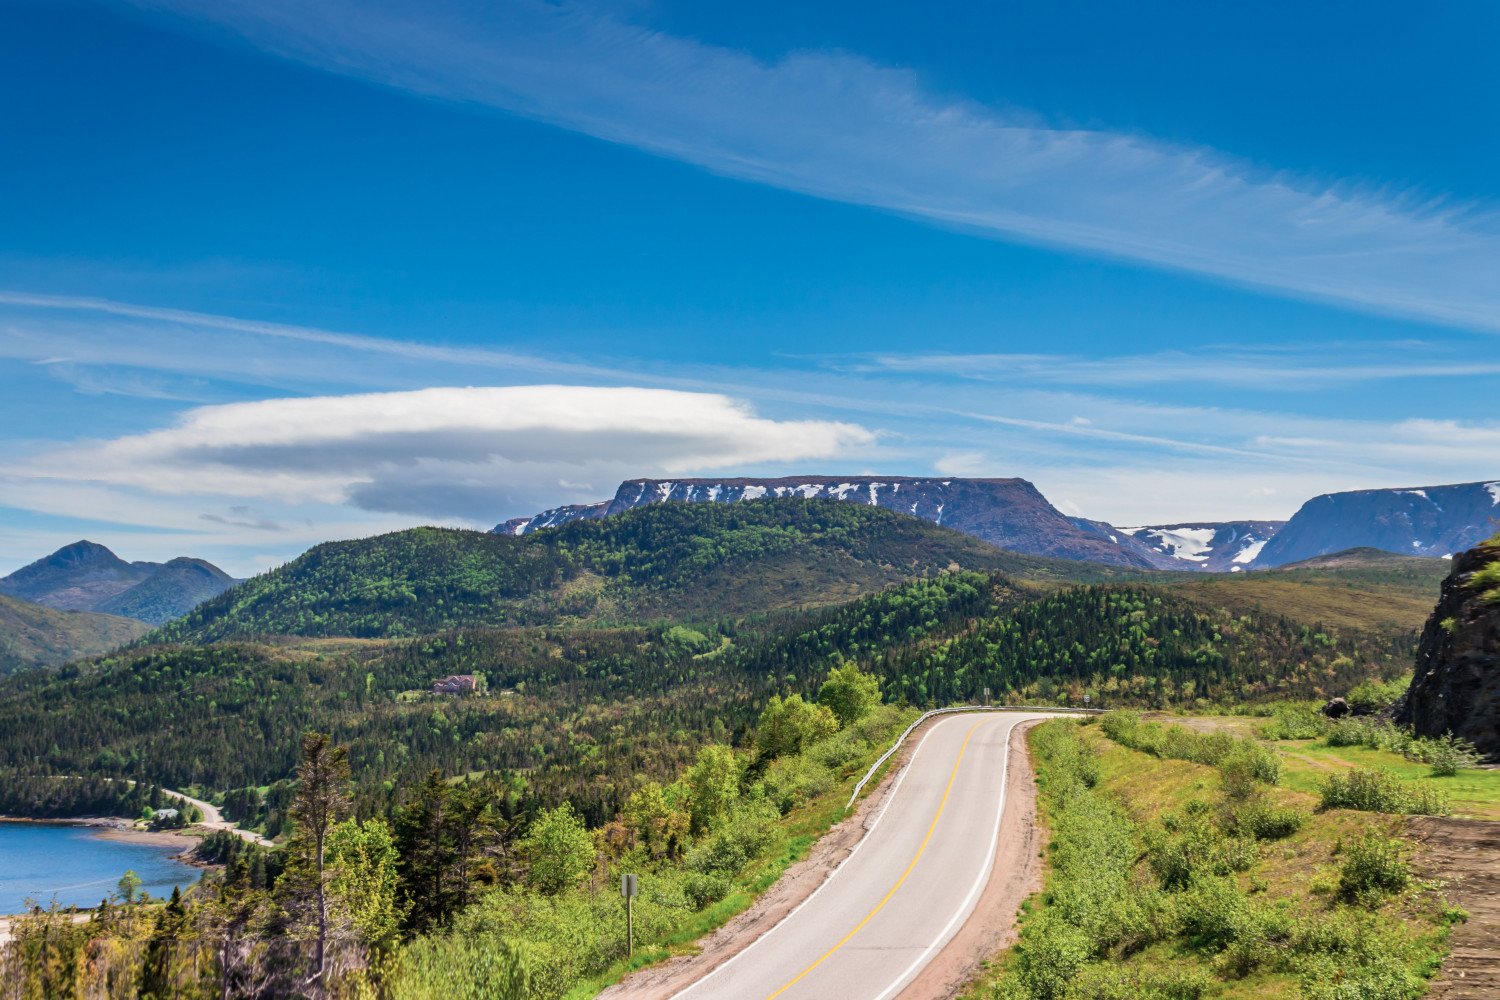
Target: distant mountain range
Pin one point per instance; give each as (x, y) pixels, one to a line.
(1013, 514)
(1414, 521)
(87, 576)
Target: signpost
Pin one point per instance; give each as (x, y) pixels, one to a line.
(628, 889)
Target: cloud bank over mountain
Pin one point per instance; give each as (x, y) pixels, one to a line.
(445, 452)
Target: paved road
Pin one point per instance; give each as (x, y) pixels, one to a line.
(213, 819)
(905, 890)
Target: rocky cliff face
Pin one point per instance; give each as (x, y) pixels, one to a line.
(1009, 513)
(1416, 521)
(1456, 687)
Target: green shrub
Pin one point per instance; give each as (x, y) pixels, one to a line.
(1447, 754)
(1185, 850)
(1213, 913)
(1295, 722)
(1377, 791)
(791, 781)
(1264, 821)
(1373, 867)
(1384, 978)
(1108, 981)
(1373, 696)
(703, 888)
(1181, 743)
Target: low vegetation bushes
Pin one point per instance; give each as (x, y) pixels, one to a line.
(1216, 749)
(1295, 722)
(1374, 866)
(1376, 791)
(1446, 754)
(1175, 909)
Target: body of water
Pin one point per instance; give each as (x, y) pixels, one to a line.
(77, 866)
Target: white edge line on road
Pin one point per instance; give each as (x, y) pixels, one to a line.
(838, 868)
(966, 907)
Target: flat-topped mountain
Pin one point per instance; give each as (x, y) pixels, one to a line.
(87, 576)
(1009, 513)
(1414, 521)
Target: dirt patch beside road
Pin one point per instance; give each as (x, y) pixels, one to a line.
(1465, 853)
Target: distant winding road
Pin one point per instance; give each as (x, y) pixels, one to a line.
(213, 819)
(904, 892)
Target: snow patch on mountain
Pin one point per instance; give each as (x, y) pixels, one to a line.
(1214, 546)
(1248, 553)
(1180, 543)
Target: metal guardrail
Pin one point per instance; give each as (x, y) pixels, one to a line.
(953, 711)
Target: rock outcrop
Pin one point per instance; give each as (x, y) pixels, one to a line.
(1456, 687)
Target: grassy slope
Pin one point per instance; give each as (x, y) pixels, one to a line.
(35, 635)
(1380, 596)
(1296, 873)
(1473, 792)
(1150, 788)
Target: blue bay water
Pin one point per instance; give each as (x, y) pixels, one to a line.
(80, 868)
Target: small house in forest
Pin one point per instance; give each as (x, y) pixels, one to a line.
(454, 684)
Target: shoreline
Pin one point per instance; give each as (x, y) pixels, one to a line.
(122, 830)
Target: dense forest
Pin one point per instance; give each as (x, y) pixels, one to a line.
(583, 714)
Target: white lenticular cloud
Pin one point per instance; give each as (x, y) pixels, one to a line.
(443, 451)
(841, 127)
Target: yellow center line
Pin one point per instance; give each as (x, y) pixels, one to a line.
(887, 898)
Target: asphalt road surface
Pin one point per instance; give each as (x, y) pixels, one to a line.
(904, 891)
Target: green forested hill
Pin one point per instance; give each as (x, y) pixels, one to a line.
(583, 714)
(33, 635)
(682, 562)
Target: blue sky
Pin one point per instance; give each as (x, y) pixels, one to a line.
(273, 272)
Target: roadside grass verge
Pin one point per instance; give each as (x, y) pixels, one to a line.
(1307, 765)
(1158, 888)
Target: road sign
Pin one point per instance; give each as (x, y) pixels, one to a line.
(628, 889)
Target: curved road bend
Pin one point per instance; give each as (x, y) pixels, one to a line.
(903, 892)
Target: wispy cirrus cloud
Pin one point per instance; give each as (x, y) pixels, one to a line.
(1291, 368)
(838, 126)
